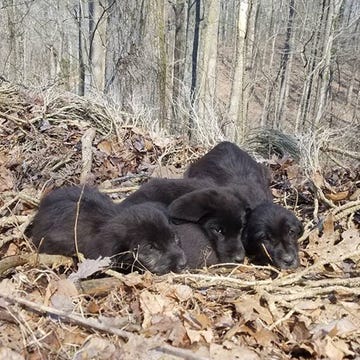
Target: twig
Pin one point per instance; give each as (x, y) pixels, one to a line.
(86, 142)
(351, 154)
(33, 259)
(7, 204)
(13, 219)
(76, 224)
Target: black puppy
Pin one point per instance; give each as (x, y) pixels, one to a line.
(271, 231)
(219, 211)
(139, 236)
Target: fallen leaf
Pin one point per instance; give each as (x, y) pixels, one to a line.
(96, 348)
(105, 146)
(326, 348)
(154, 304)
(264, 337)
(8, 354)
(355, 195)
(329, 226)
(341, 195)
(334, 328)
(62, 302)
(89, 267)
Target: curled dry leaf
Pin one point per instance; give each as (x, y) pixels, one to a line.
(89, 267)
(339, 327)
(96, 348)
(341, 195)
(105, 146)
(8, 354)
(155, 304)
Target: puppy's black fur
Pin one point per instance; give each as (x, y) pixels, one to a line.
(227, 165)
(218, 210)
(271, 231)
(105, 229)
(198, 249)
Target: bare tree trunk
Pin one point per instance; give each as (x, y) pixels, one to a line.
(304, 106)
(162, 65)
(237, 105)
(97, 41)
(206, 89)
(180, 13)
(79, 18)
(285, 64)
(334, 12)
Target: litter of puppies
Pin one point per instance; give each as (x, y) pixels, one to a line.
(226, 203)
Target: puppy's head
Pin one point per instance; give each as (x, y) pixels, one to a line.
(271, 235)
(221, 215)
(151, 240)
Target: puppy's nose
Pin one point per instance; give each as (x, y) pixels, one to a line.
(290, 261)
(239, 258)
(181, 262)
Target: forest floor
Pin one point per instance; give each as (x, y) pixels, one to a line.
(54, 308)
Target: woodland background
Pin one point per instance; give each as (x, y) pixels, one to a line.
(210, 69)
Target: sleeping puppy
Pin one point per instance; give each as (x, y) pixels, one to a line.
(270, 236)
(219, 211)
(271, 231)
(140, 236)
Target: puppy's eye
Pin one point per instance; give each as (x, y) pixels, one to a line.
(154, 246)
(292, 232)
(217, 229)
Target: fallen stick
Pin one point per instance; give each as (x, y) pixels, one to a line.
(11, 262)
(86, 142)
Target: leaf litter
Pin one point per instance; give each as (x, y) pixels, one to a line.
(52, 308)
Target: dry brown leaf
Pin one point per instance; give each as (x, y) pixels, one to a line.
(196, 336)
(318, 179)
(96, 348)
(6, 179)
(66, 287)
(252, 310)
(89, 267)
(182, 292)
(154, 304)
(264, 337)
(300, 331)
(355, 195)
(334, 328)
(341, 195)
(62, 302)
(105, 146)
(326, 348)
(8, 354)
(329, 226)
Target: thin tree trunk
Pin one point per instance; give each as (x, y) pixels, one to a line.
(334, 12)
(180, 11)
(237, 126)
(207, 85)
(285, 64)
(81, 83)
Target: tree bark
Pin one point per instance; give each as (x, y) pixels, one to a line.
(237, 105)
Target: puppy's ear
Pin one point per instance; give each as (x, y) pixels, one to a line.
(194, 205)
